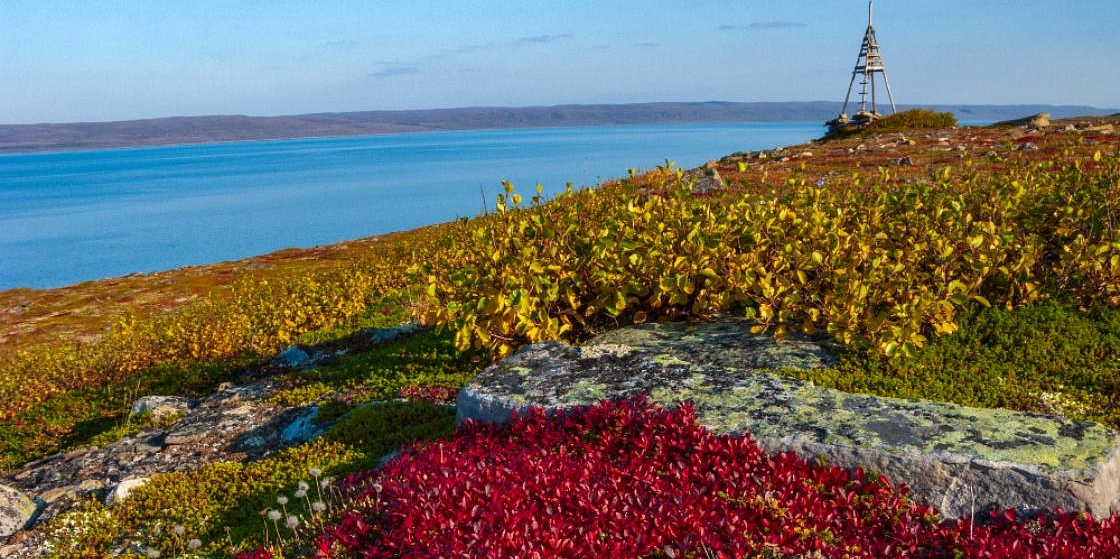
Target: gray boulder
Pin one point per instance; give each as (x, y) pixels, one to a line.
(956, 458)
(16, 510)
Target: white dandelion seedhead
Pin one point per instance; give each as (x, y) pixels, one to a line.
(302, 486)
(274, 515)
(281, 500)
(194, 543)
(291, 522)
(178, 530)
(301, 493)
(315, 472)
(318, 506)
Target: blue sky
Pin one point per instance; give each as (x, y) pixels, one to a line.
(97, 60)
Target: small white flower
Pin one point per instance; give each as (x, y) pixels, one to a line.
(301, 493)
(178, 529)
(291, 522)
(315, 472)
(326, 482)
(302, 486)
(281, 500)
(318, 506)
(274, 515)
(195, 543)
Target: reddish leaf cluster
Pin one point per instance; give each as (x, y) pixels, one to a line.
(258, 553)
(430, 394)
(628, 479)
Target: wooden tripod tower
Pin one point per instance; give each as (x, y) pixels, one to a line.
(868, 64)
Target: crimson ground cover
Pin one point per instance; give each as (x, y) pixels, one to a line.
(629, 479)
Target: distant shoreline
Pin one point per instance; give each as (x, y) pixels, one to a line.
(37, 138)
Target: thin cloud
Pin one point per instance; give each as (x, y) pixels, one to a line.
(530, 40)
(394, 71)
(465, 49)
(763, 25)
(538, 39)
(340, 45)
(647, 44)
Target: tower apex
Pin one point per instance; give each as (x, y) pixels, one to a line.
(869, 65)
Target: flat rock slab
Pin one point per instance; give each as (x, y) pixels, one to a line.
(956, 458)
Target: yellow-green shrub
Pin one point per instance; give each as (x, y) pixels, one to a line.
(873, 262)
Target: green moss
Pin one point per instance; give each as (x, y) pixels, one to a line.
(380, 428)
(1048, 358)
(586, 391)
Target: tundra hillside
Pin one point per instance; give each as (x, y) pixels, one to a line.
(979, 266)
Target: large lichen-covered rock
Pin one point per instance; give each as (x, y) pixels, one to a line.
(956, 458)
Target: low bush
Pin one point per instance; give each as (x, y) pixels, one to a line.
(626, 479)
(913, 119)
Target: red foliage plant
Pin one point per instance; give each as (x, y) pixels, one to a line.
(629, 479)
(258, 553)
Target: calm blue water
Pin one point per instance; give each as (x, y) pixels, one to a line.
(76, 216)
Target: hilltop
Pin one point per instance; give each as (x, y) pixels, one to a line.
(18, 138)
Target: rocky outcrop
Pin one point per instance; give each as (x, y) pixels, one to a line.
(956, 458)
(237, 423)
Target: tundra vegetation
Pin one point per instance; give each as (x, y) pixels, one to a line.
(985, 276)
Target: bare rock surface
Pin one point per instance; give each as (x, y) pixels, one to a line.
(956, 458)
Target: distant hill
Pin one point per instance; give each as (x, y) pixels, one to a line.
(15, 138)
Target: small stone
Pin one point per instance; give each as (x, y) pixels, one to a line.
(121, 491)
(16, 510)
(903, 161)
(382, 335)
(161, 407)
(52, 495)
(303, 428)
(1027, 146)
(90, 485)
(293, 357)
(709, 182)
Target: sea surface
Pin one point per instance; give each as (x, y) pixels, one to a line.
(67, 217)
